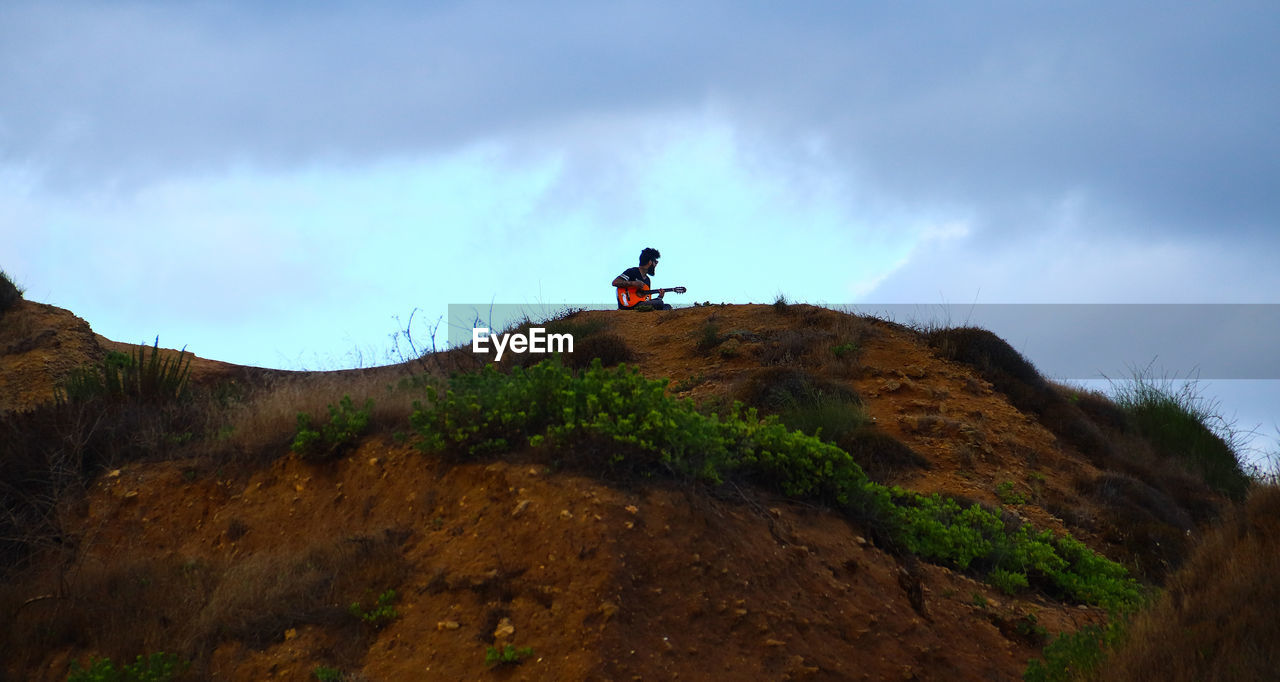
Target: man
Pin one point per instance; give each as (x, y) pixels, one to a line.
(636, 282)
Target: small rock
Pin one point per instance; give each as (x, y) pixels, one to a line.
(505, 630)
(291, 633)
(774, 642)
(373, 461)
(566, 514)
(448, 625)
(631, 508)
(523, 505)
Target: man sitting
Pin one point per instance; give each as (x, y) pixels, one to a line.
(633, 284)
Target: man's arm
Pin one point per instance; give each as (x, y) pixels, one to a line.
(625, 283)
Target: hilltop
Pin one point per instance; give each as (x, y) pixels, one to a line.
(199, 530)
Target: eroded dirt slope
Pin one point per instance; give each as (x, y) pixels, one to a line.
(603, 582)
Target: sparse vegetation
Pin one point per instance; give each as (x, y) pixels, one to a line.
(380, 613)
(345, 425)
(1008, 494)
(326, 674)
(158, 667)
(845, 350)
(709, 337)
(1077, 655)
(141, 375)
(507, 655)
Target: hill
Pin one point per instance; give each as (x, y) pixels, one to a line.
(201, 528)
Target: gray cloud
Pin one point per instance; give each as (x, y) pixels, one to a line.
(1166, 116)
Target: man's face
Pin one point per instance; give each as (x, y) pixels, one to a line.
(653, 266)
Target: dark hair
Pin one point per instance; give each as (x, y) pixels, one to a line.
(648, 254)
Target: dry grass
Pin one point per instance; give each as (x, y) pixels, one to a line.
(1217, 619)
(260, 426)
(189, 606)
(257, 599)
(115, 609)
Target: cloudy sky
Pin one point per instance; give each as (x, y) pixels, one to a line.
(275, 183)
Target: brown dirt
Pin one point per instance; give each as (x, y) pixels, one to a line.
(603, 582)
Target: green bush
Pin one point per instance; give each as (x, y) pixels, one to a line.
(327, 674)
(507, 655)
(345, 426)
(618, 422)
(140, 374)
(158, 667)
(1077, 655)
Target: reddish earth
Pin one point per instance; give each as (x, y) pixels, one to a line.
(603, 582)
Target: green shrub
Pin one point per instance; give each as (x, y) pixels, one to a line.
(709, 337)
(380, 613)
(1077, 655)
(158, 667)
(345, 426)
(1007, 581)
(140, 374)
(845, 349)
(617, 422)
(507, 655)
(327, 674)
(1008, 495)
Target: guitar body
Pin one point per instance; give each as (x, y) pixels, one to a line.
(630, 298)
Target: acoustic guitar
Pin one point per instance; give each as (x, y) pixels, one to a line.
(629, 298)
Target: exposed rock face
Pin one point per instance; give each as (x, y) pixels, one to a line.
(39, 346)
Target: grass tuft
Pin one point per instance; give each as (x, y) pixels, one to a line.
(143, 375)
(1179, 422)
(10, 293)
